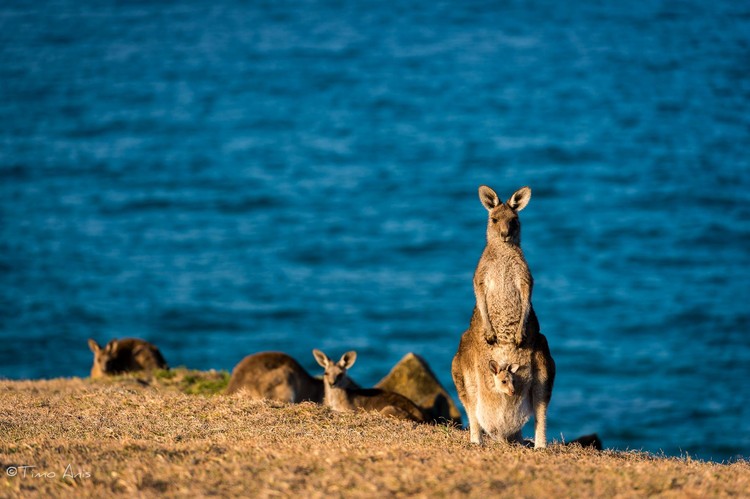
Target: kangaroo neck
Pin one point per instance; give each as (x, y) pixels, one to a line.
(336, 397)
(499, 248)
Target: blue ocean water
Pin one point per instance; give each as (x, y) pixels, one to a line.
(225, 179)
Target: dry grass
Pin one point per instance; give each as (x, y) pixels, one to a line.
(122, 437)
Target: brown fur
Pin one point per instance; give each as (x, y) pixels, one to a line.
(504, 329)
(125, 355)
(502, 280)
(341, 397)
(504, 376)
(275, 376)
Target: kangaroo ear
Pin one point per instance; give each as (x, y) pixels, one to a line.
(494, 367)
(519, 199)
(94, 346)
(347, 360)
(111, 346)
(488, 197)
(513, 368)
(322, 358)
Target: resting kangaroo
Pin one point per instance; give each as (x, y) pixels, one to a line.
(126, 355)
(275, 376)
(504, 329)
(342, 398)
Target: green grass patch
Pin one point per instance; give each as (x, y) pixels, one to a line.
(193, 382)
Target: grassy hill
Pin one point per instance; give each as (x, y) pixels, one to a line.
(173, 436)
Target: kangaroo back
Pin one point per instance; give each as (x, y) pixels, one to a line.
(389, 403)
(275, 376)
(125, 355)
(413, 378)
(146, 356)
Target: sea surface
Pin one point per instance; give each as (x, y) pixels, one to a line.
(223, 178)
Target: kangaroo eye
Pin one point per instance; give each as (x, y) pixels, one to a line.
(494, 220)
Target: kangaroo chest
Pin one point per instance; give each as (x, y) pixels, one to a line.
(501, 276)
(338, 400)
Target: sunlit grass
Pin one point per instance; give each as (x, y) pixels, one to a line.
(151, 436)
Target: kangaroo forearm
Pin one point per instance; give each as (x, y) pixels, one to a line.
(524, 289)
(481, 298)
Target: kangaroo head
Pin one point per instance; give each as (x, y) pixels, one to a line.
(104, 358)
(503, 376)
(335, 372)
(503, 223)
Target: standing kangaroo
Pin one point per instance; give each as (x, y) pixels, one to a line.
(502, 280)
(504, 329)
(125, 355)
(339, 396)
